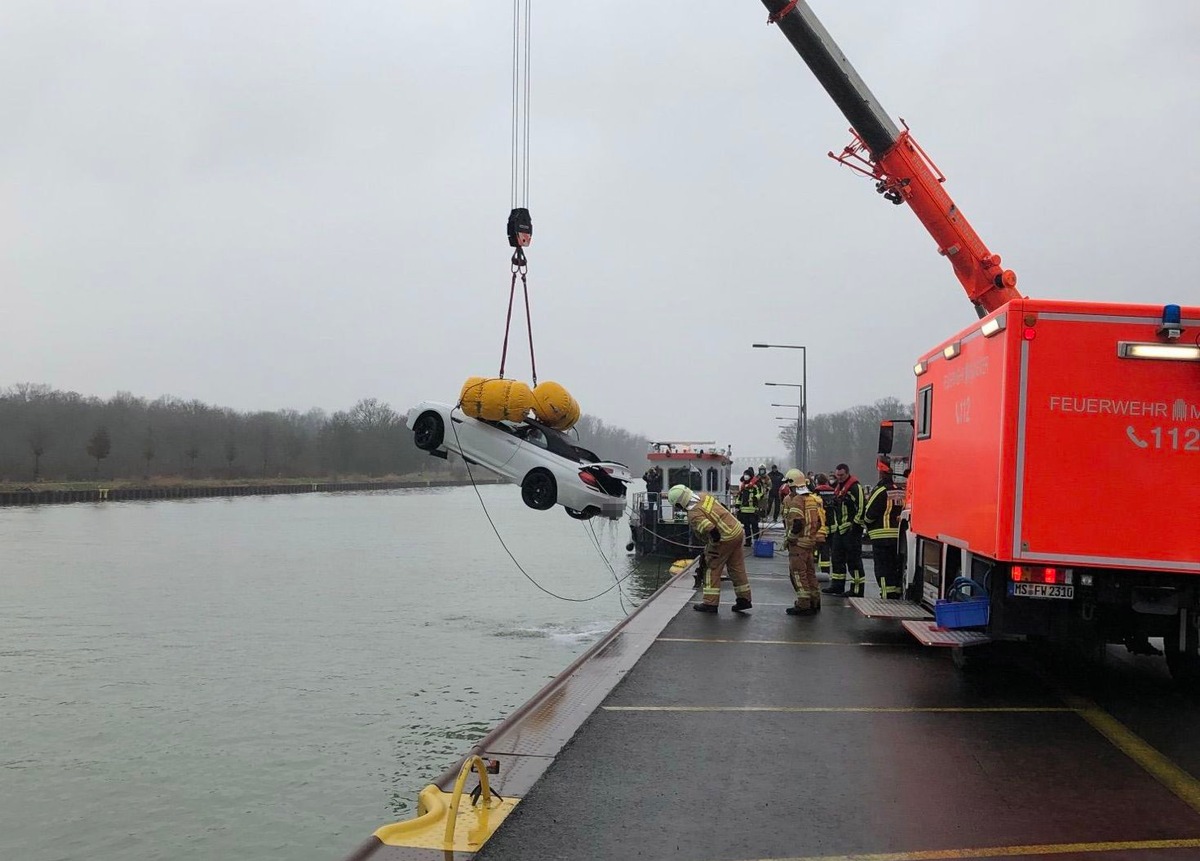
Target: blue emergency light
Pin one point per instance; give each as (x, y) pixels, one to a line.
(1172, 326)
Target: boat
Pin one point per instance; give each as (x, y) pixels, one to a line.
(656, 528)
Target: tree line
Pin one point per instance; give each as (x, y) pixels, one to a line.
(52, 435)
(852, 437)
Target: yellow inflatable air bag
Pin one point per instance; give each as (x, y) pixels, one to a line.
(493, 399)
(554, 406)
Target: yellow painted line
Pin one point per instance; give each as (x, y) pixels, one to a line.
(847, 709)
(1006, 851)
(903, 643)
(1162, 769)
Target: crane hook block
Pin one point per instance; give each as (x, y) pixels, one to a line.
(520, 228)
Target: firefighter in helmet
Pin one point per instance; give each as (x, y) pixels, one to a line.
(723, 546)
(749, 494)
(882, 518)
(803, 525)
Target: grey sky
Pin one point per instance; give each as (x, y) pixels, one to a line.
(293, 204)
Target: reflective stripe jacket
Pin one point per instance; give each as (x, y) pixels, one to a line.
(802, 519)
(749, 496)
(848, 504)
(708, 515)
(883, 512)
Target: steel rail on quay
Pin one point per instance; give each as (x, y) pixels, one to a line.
(825, 738)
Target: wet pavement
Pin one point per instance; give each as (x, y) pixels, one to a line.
(767, 736)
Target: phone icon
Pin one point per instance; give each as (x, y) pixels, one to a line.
(1133, 437)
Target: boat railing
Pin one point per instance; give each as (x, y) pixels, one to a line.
(652, 500)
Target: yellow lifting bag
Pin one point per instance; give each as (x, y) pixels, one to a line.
(554, 406)
(495, 400)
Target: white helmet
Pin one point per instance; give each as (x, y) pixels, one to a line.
(679, 494)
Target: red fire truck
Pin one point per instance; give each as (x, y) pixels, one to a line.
(1055, 467)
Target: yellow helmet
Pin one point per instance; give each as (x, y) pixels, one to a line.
(679, 494)
(796, 477)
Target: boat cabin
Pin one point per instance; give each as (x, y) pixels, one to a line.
(704, 467)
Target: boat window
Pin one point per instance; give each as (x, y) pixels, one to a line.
(713, 478)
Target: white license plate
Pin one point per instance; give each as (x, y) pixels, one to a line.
(1041, 590)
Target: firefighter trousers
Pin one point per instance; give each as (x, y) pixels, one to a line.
(802, 570)
(886, 562)
(749, 521)
(720, 555)
(837, 565)
(847, 560)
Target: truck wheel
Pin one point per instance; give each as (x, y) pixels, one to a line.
(539, 490)
(428, 431)
(1183, 659)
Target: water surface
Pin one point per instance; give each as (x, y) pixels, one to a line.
(273, 677)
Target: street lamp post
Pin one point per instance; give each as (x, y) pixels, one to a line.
(801, 439)
(796, 447)
(803, 459)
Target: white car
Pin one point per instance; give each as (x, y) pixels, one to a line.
(550, 468)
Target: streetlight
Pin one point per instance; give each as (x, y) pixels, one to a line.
(793, 407)
(801, 436)
(803, 395)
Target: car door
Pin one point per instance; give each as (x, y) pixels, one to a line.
(484, 443)
(533, 451)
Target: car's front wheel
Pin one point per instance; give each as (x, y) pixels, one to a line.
(587, 514)
(539, 490)
(429, 431)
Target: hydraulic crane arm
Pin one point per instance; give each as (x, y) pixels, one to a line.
(901, 169)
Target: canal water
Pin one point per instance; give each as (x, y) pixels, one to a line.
(274, 677)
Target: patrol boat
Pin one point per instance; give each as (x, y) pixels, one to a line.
(657, 529)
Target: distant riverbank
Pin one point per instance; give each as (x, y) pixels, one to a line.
(118, 490)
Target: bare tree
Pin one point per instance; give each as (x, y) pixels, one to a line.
(38, 439)
(191, 453)
(231, 452)
(99, 446)
(149, 449)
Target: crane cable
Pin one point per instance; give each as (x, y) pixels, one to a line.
(616, 580)
(520, 224)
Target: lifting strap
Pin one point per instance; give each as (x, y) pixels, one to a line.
(518, 268)
(520, 224)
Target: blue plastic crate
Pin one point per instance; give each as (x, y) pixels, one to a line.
(961, 614)
(764, 548)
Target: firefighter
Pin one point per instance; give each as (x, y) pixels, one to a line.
(802, 524)
(764, 495)
(882, 519)
(723, 536)
(774, 493)
(748, 501)
(824, 491)
(848, 504)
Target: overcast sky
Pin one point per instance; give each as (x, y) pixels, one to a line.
(270, 205)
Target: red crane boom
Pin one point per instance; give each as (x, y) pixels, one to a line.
(903, 173)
